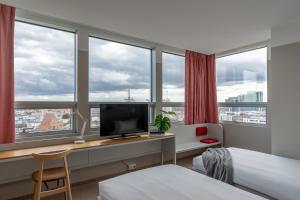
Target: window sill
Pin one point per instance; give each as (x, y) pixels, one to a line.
(244, 124)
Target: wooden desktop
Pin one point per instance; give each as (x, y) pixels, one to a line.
(18, 153)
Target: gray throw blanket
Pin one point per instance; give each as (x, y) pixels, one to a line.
(218, 164)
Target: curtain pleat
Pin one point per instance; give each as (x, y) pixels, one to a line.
(200, 89)
(7, 112)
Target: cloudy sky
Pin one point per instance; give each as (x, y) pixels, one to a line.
(241, 73)
(44, 64)
(115, 68)
(45, 69)
(173, 77)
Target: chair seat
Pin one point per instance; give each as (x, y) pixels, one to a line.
(50, 174)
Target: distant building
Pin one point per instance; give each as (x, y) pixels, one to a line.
(50, 122)
(251, 96)
(166, 99)
(129, 98)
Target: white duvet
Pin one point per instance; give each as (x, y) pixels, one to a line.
(169, 182)
(272, 175)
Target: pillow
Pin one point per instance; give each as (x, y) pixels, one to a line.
(200, 131)
(209, 140)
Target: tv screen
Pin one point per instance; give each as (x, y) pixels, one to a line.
(123, 119)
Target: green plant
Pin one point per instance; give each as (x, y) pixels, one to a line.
(162, 121)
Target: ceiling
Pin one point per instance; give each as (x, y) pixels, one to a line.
(209, 26)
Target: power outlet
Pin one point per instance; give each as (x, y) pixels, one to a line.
(131, 166)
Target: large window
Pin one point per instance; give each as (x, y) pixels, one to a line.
(242, 86)
(118, 72)
(173, 84)
(44, 76)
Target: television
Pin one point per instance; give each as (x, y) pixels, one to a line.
(123, 119)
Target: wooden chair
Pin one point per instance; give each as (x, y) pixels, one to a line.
(44, 175)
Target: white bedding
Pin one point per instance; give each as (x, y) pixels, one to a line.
(169, 182)
(272, 175)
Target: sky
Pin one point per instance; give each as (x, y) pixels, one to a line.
(45, 69)
(115, 68)
(173, 77)
(44, 64)
(241, 73)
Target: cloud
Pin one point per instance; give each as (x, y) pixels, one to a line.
(44, 63)
(248, 66)
(173, 70)
(115, 67)
(45, 68)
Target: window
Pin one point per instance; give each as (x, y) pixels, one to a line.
(118, 72)
(44, 76)
(43, 120)
(179, 113)
(173, 77)
(242, 86)
(173, 85)
(94, 118)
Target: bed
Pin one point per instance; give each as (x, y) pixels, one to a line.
(273, 176)
(169, 182)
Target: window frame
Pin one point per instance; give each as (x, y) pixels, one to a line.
(51, 104)
(254, 47)
(172, 104)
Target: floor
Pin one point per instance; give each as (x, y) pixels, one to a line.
(89, 191)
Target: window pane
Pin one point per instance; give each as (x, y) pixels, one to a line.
(173, 77)
(118, 72)
(42, 120)
(179, 113)
(44, 63)
(255, 115)
(243, 77)
(94, 117)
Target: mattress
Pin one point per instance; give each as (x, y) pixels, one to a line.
(169, 182)
(271, 175)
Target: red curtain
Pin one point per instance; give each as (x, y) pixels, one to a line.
(200, 88)
(7, 112)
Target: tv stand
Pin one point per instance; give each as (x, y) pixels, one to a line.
(124, 137)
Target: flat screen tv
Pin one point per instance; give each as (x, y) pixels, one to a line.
(123, 119)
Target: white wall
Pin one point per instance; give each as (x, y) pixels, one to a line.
(285, 108)
(247, 137)
(285, 96)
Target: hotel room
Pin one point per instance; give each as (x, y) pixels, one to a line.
(149, 100)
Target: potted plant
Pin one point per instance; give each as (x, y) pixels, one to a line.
(162, 121)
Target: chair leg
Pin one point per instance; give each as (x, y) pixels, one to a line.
(38, 190)
(68, 188)
(34, 191)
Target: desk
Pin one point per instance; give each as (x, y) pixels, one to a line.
(91, 153)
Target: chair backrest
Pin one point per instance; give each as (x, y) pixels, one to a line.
(52, 155)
